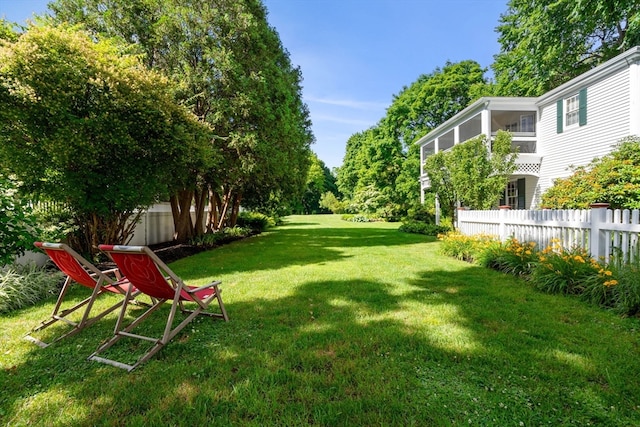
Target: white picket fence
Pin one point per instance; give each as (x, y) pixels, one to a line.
(600, 231)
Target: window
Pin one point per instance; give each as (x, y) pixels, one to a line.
(527, 123)
(572, 105)
(572, 111)
(511, 196)
(514, 194)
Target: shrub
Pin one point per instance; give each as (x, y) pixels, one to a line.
(22, 286)
(624, 287)
(358, 218)
(329, 201)
(226, 235)
(512, 257)
(56, 222)
(256, 221)
(420, 213)
(417, 227)
(565, 271)
(17, 226)
(466, 248)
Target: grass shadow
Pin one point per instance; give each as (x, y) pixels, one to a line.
(430, 342)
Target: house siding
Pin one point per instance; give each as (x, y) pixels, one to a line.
(612, 92)
(608, 121)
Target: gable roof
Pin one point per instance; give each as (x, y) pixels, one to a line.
(603, 70)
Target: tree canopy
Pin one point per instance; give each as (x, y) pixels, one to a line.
(233, 72)
(381, 164)
(548, 42)
(320, 181)
(87, 126)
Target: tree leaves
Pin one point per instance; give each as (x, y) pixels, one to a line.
(97, 131)
(548, 42)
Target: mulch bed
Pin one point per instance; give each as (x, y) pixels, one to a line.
(170, 251)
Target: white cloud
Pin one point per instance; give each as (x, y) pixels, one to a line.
(357, 105)
(359, 123)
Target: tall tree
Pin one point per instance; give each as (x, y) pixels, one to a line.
(87, 126)
(234, 74)
(433, 99)
(548, 42)
(383, 162)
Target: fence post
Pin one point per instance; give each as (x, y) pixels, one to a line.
(502, 228)
(597, 242)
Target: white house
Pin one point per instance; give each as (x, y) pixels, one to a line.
(567, 126)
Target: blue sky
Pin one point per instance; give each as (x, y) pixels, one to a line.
(356, 54)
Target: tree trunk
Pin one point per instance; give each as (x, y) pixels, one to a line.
(181, 211)
(201, 200)
(214, 206)
(236, 210)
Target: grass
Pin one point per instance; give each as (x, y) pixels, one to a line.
(340, 323)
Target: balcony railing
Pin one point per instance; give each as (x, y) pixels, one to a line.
(528, 164)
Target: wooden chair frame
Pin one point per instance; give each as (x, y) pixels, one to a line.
(78, 270)
(154, 278)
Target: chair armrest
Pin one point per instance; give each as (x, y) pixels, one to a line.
(114, 271)
(210, 285)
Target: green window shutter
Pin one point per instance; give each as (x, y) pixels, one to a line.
(521, 198)
(559, 115)
(582, 98)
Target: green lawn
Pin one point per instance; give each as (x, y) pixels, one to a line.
(336, 323)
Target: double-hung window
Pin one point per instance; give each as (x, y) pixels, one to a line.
(572, 110)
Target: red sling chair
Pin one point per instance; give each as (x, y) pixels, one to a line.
(79, 270)
(152, 277)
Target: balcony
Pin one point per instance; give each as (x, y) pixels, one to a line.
(528, 164)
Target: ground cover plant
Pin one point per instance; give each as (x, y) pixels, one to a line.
(341, 323)
(555, 269)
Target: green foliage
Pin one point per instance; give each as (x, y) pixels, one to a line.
(554, 269)
(233, 73)
(84, 125)
(369, 200)
(432, 100)
(23, 286)
(17, 227)
(6, 30)
(546, 43)
(56, 222)
(613, 179)
(421, 219)
(465, 248)
(358, 218)
(381, 164)
(511, 257)
(255, 221)
(329, 201)
(565, 271)
(469, 173)
(418, 227)
(422, 213)
(220, 237)
(320, 181)
(624, 295)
